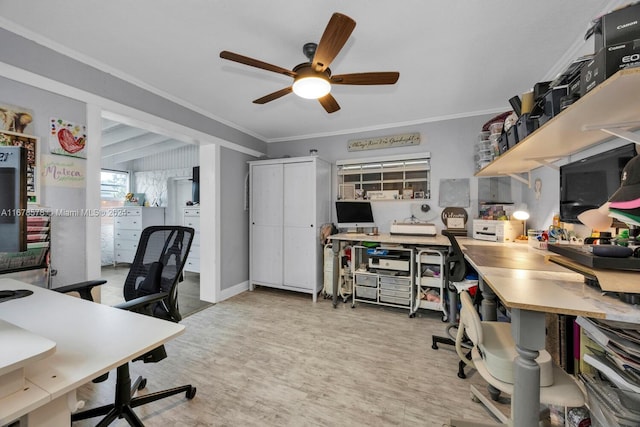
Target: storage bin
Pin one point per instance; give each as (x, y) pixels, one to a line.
(394, 300)
(366, 292)
(395, 280)
(366, 280)
(534, 238)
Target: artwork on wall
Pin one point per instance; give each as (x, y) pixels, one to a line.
(16, 119)
(30, 143)
(60, 172)
(67, 138)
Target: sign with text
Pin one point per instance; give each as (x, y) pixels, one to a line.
(384, 142)
(60, 171)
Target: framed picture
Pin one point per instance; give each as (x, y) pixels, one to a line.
(31, 143)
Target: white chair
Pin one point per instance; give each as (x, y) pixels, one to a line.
(493, 354)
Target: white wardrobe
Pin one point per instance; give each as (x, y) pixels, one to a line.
(290, 199)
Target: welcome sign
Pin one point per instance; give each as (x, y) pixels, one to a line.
(384, 142)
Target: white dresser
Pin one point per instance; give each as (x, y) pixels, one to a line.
(192, 219)
(127, 229)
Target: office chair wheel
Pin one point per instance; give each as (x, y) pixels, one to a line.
(444, 318)
(191, 393)
(412, 315)
(495, 394)
(143, 384)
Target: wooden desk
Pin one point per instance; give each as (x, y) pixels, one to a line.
(531, 288)
(91, 339)
(383, 238)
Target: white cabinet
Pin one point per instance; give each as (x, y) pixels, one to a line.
(191, 219)
(128, 227)
(290, 201)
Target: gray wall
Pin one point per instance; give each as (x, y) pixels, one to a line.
(234, 218)
(68, 242)
(22, 53)
(450, 142)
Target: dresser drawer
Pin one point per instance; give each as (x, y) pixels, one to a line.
(128, 222)
(124, 256)
(193, 264)
(193, 222)
(126, 245)
(124, 234)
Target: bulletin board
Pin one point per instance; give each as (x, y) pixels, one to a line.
(454, 193)
(31, 144)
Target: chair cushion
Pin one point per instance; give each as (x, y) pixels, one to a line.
(499, 351)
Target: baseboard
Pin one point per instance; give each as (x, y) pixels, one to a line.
(233, 291)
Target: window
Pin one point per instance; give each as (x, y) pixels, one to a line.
(114, 185)
(388, 178)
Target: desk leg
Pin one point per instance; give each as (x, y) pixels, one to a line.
(335, 246)
(488, 306)
(528, 330)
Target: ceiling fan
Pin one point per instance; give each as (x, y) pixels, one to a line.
(313, 79)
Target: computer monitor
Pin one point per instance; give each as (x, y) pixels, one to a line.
(13, 199)
(354, 214)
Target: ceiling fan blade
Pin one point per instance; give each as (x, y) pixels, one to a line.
(255, 63)
(376, 78)
(274, 95)
(333, 39)
(329, 103)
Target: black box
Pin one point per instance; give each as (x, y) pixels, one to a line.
(525, 126)
(551, 103)
(607, 62)
(502, 143)
(617, 27)
(512, 136)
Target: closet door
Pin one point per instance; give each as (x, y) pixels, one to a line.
(266, 224)
(300, 228)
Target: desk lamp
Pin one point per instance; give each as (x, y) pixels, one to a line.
(522, 214)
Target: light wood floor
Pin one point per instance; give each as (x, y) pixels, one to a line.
(273, 358)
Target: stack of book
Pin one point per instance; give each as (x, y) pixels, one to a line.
(614, 395)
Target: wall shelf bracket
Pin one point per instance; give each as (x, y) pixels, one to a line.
(547, 162)
(617, 129)
(526, 181)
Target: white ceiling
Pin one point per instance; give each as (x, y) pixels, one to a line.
(455, 58)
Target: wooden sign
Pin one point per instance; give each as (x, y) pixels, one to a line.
(384, 142)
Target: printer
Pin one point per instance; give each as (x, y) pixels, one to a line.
(496, 230)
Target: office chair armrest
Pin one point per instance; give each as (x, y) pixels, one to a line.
(83, 288)
(141, 304)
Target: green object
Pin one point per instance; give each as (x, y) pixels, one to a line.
(370, 244)
(623, 238)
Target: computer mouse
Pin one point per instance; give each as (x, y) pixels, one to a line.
(612, 251)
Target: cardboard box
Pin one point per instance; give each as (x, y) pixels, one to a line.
(617, 27)
(609, 61)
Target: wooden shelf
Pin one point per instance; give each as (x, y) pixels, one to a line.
(615, 103)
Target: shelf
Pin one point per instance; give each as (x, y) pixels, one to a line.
(615, 103)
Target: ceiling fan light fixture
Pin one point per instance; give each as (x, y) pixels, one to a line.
(311, 87)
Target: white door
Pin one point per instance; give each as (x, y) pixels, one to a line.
(266, 255)
(300, 226)
(299, 194)
(300, 257)
(266, 224)
(266, 194)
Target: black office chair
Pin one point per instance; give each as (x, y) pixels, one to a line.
(150, 288)
(456, 270)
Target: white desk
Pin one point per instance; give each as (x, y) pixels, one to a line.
(91, 339)
(438, 240)
(531, 286)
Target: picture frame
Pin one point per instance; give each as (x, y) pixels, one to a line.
(32, 145)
